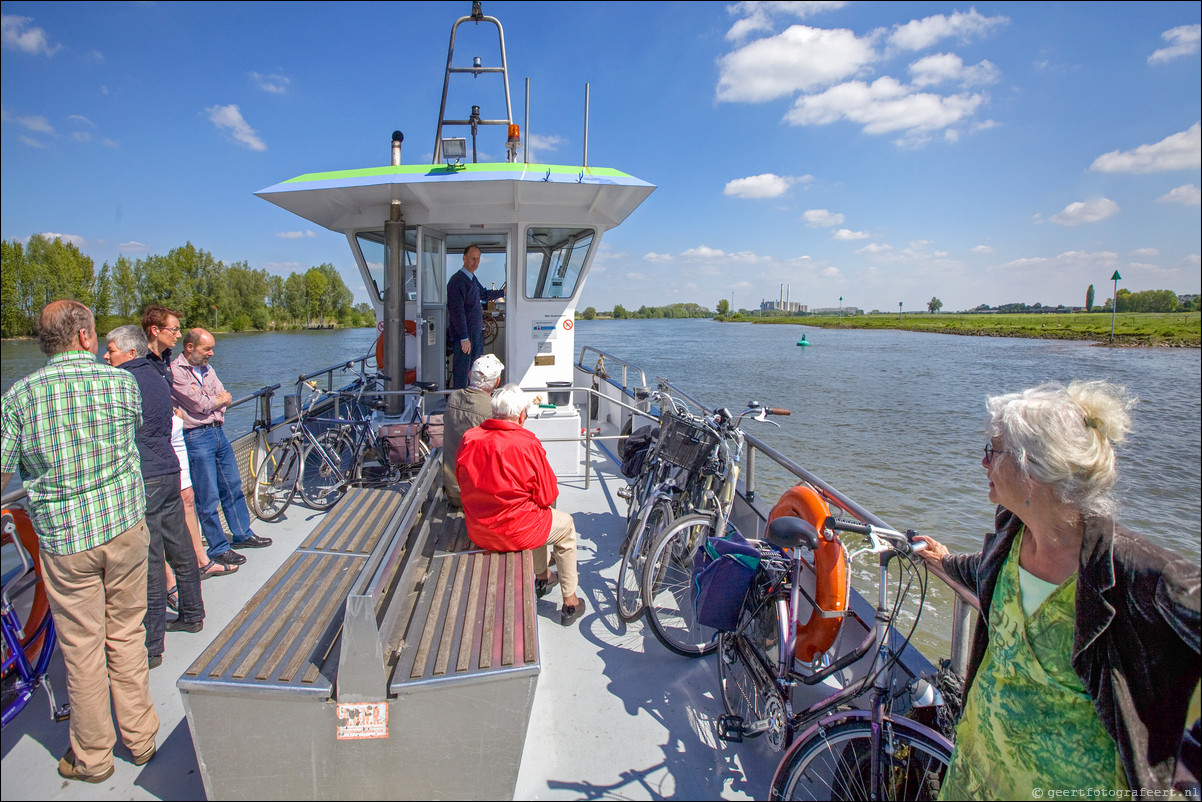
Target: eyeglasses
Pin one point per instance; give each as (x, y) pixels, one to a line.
(990, 452)
(174, 329)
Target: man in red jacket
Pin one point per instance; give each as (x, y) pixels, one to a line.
(507, 488)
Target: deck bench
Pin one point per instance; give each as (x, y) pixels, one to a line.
(362, 667)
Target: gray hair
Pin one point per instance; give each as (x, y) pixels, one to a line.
(485, 372)
(59, 325)
(509, 402)
(129, 338)
(1063, 438)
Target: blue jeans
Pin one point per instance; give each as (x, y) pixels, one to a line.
(215, 480)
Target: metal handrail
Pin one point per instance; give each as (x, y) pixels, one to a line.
(602, 357)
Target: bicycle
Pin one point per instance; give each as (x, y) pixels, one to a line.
(842, 753)
(708, 448)
(29, 642)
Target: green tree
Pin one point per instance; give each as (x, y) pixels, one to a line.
(620, 312)
(589, 313)
(126, 293)
(1089, 299)
(934, 305)
(723, 307)
(316, 284)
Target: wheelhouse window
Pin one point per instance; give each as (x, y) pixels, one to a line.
(554, 259)
(371, 247)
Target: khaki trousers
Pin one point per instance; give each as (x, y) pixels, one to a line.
(561, 541)
(98, 598)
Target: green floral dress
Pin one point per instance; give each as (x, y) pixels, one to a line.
(1029, 725)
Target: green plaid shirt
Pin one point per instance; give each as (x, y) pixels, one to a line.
(70, 428)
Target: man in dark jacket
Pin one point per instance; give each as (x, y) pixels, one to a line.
(465, 316)
(127, 348)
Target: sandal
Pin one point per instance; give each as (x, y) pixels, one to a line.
(173, 599)
(214, 568)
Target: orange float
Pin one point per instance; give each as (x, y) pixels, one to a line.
(34, 632)
(818, 634)
(411, 331)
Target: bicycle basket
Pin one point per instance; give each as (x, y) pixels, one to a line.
(684, 442)
(722, 575)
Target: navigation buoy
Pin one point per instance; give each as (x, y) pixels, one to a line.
(803, 340)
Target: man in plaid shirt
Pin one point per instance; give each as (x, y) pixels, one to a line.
(69, 428)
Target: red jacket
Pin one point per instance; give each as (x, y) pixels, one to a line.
(506, 486)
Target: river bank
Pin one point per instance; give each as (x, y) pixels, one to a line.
(1131, 329)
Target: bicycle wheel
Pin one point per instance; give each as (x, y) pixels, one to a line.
(320, 485)
(836, 761)
(652, 519)
(274, 481)
(747, 660)
(668, 587)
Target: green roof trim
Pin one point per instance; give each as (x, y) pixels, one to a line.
(432, 170)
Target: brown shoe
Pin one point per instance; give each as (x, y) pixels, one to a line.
(69, 769)
(144, 758)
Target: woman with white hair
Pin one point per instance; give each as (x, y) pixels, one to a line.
(508, 491)
(1086, 651)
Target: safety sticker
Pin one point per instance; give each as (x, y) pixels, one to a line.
(362, 720)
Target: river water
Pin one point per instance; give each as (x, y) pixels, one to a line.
(893, 419)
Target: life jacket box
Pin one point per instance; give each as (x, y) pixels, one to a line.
(559, 431)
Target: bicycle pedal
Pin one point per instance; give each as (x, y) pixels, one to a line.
(62, 712)
(730, 729)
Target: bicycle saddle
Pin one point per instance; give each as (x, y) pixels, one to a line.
(788, 532)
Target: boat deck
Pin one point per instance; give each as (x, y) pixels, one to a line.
(615, 714)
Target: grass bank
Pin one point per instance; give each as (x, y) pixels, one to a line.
(1176, 329)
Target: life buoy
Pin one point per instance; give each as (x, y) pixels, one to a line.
(40, 608)
(411, 347)
(831, 583)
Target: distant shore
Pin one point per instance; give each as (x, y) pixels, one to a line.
(1131, 329)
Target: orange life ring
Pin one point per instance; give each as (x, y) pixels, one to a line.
(831, 585)
(40, 608)
(411, 330)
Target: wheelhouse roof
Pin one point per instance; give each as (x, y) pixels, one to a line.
(469, 194)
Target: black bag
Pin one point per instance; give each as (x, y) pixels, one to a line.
(634, 450)
(722, 575)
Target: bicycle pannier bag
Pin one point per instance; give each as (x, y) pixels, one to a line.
(722, 576)
(398, 443)
(434, 426)
(635, 449)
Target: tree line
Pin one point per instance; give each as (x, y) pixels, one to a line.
(678, 310)
(206, 291)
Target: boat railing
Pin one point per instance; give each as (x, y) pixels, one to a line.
(965, 603)
(601, 368)
(340, 368)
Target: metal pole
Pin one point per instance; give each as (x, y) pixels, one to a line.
(586, 125)
(394, 308)
(526, 127)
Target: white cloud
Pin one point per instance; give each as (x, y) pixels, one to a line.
(821, 218)
(1085, 212)
(704, 255)
(78, 118)
(1187, 194)
(230, 117)
(800, 58)
(275, 83)
(1068, 259)
(923, 33)
(37, 124)
(74, 239)
(1146, 252)
(872, 249)
(949, 68)
(847, 234)
(1183, 41)
(1180, 151)
(31, 142)
(133, 245)
(16, 35)
(296, 234)
(883, 106)
(758, 16)
(767, 185)
(543, 142)
(982, 249)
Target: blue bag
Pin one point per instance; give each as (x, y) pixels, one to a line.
(722, 575)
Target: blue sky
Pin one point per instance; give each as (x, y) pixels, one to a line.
(884, 153)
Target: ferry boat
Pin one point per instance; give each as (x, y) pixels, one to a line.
(372, 652)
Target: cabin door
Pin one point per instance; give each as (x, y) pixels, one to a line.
(432, 258)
